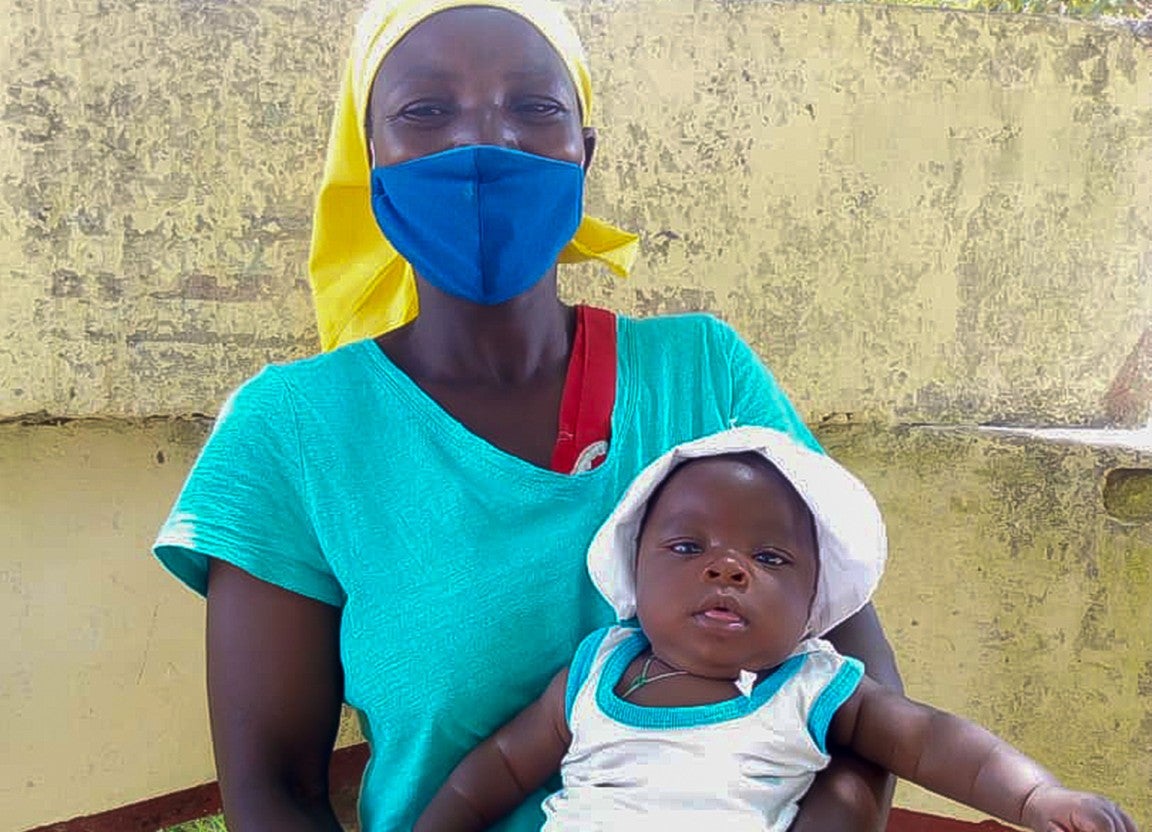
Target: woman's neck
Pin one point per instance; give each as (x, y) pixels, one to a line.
(525, 340)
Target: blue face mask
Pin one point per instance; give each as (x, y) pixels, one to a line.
(482, 223)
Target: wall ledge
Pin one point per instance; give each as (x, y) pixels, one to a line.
(1131, 440)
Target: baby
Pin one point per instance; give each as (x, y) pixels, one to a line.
(714, 703)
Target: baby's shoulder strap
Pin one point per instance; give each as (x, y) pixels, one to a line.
(836, 678)
(591, 649)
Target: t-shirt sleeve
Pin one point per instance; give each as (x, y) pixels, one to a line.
(246, 500)
(756, 398)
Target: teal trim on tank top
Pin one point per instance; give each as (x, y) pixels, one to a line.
(581, 664)
(835, 694)
(685, 716)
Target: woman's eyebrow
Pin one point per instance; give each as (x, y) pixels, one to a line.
(426, 72)
(533, 71)
(543, 76)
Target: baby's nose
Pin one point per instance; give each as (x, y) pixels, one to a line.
(727, 570)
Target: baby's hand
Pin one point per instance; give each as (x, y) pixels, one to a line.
(1056, 809)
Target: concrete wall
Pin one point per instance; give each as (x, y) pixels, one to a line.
(102, 687)
(924, 220)
(920, 215)
(102, 680)
(1016, 598)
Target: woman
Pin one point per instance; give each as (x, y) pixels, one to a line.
(363, 522)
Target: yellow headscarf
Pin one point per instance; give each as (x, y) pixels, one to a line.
(360, 284)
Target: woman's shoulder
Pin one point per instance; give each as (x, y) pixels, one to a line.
(324, 368)
(675, 335)
(327, 375)
(661, 325)
(288, 402)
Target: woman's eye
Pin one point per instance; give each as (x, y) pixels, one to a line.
(540, 108)
(424, 112)
(685, 547)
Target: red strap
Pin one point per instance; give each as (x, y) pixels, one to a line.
(589, 394)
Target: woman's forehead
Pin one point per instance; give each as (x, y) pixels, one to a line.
(468, 40)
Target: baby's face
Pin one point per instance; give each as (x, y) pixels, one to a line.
(726, 567)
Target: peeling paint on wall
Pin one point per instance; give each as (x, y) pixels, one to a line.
(914, 215)
(154, 212)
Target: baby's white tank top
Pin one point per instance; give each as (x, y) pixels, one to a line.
(742, 764)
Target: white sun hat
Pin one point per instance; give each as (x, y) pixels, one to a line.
(850, 533)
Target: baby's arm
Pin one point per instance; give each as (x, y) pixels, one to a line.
(966, 763)
(500, 773)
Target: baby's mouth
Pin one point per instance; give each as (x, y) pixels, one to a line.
(721, 615)
(724, 616)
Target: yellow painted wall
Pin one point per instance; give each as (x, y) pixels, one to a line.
(1014, 598)
(102, 666)
(101, 676)
(921, 215)
(916, 216)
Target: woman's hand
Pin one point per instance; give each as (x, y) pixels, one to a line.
(274, 694)
(1056, 809)
(852, 795)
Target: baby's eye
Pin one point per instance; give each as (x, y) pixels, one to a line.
(685, 547)
(770, 558)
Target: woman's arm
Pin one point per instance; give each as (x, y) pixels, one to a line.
(500, 773)
(966, 763)
(274, 693)
(852, 795)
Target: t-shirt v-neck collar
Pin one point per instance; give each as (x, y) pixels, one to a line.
(445, 424)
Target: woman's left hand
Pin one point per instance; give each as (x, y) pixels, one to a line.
(851, 795)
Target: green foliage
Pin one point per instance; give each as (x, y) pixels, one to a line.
(212, 824)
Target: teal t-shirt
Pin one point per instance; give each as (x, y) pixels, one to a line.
(460, 568)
